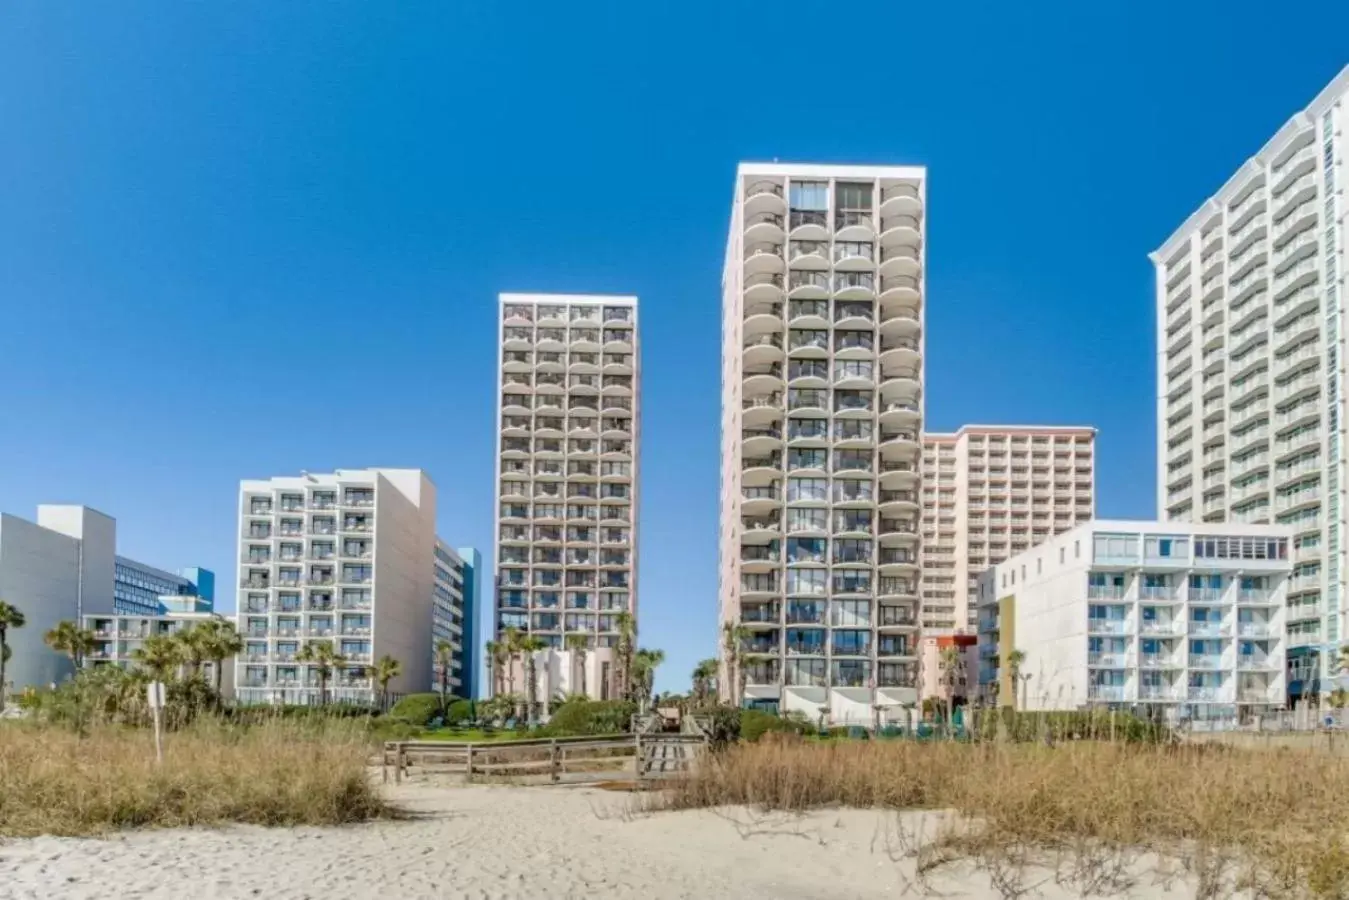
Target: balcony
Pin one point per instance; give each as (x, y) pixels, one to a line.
(1107, 626)
(764, 614)
(760, 530)
(1208, 628)
(765, 257)
(1161, 661)
(763, 195)
(1110, 660)
(1109, 693)
(764, 227)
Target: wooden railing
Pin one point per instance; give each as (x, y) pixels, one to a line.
(574, 760)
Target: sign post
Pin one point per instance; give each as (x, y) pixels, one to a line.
(154, 692)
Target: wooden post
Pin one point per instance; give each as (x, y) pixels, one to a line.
(553, 761)
(384, 761)
(400, 759)
(468, 765)
(641, 766)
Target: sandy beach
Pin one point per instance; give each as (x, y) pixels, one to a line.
(510, 842)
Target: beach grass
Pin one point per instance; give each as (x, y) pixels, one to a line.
(56, 781)
(1276, 824)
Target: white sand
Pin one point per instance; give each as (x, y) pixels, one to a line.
(509, 842)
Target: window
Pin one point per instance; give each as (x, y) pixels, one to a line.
(809, 195)
(852, 196)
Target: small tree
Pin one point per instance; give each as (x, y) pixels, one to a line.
(387, 669)
(322, 656)
(527, 646)
(1015, 660)
(578, 644)
(704, 679)
(10, 617)
(624, 648)
(733, 638)
(644, 673)
(160, 655)
(444, 658)
(952, 663)
(510, 640)
(213, 641)
(496, 661)
(72, 640)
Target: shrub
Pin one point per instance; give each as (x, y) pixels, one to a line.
(416, 709)
(591, 717)
(461, 711)
(989, 724)
(725, 723)
(754, 724)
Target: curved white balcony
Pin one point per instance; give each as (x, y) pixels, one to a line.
(899, 384)
(807, 402)
(813, 314)
(808, 347)
(899, 322)
(898, 476)
(808, 373)
(898, 503)
(763, 195)
(763, 257)
(759, 442)
(900, 199)
(854, 225)
(854, 314)
(899, 260)
(808, 286)
(763, 287)
(808, 224)
(897, 532)
(761, 410)
(764, 226)
(762, 380)
(899, 352)
(763, 349)
(760, 530)
(900, 413)
(897, 559)
(759, 558)
(899, 444)
(854, 286)
(763, 318)
(900, 231)
(808, 255)
(901, 289)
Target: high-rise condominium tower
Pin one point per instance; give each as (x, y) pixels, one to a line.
(991, 492)
(822, 387)
(567, 472)
(1251, 368)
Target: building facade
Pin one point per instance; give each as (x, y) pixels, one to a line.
(143, 590)
(474, 578)
(569, 430)
(1250, 291)
(349, 558)
(63, 567)
(822, 392)
(449, 620)
(1186, 619)
(117, 637)
(989, 492)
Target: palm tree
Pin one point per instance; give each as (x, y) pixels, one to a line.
(510, 639)
(578, 644)
(952, 664)
(704, 677)
(10, 617)
(444, 658)
(1015, 660)
(527, 646)
(625, 647)
(733, 637)
(72, 640)
(160, 655)
(644, 672)
(497, 657)
(322, 656)
(218, 640)
(387, 669)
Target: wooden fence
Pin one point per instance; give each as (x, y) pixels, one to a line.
(575, 760)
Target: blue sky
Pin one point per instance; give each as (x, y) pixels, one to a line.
(244, 239)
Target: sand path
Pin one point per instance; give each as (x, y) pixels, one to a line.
(501, 842)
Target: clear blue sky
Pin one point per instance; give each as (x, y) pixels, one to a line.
(243, 239)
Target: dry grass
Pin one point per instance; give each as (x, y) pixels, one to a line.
(53, 781)
(1276, 824)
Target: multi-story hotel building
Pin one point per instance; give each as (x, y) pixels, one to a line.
(1250, 366)
(1188, 618)
(118, 637)
(349, 558)
(989, 492)
(567, 469)
(65, 567)
(822, 391)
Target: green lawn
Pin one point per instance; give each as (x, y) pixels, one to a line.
(469, 735)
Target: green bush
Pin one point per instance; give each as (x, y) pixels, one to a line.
(725, 723)
(1097, 725)
(461, 711)
(754, 724)
(591, 717)
(416, 709)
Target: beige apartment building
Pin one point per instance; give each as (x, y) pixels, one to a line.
(822, 375)
(988, 493)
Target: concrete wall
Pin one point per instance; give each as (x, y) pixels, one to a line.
(39, 574)
(97, 534)
(404, 574)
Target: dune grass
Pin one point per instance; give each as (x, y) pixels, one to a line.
(1273, 823)
(55, 781)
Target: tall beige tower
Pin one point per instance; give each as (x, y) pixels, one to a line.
(822, 393)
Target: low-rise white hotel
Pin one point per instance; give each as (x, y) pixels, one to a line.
(350, 558)
(1251, 367)
(1185, 618)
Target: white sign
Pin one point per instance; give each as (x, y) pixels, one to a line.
(154, 695)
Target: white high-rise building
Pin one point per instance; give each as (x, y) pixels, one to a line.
(569, 433)
(822, 392)
(1186, 618)
(350, 558)
(990, 492)
(1251, 368)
